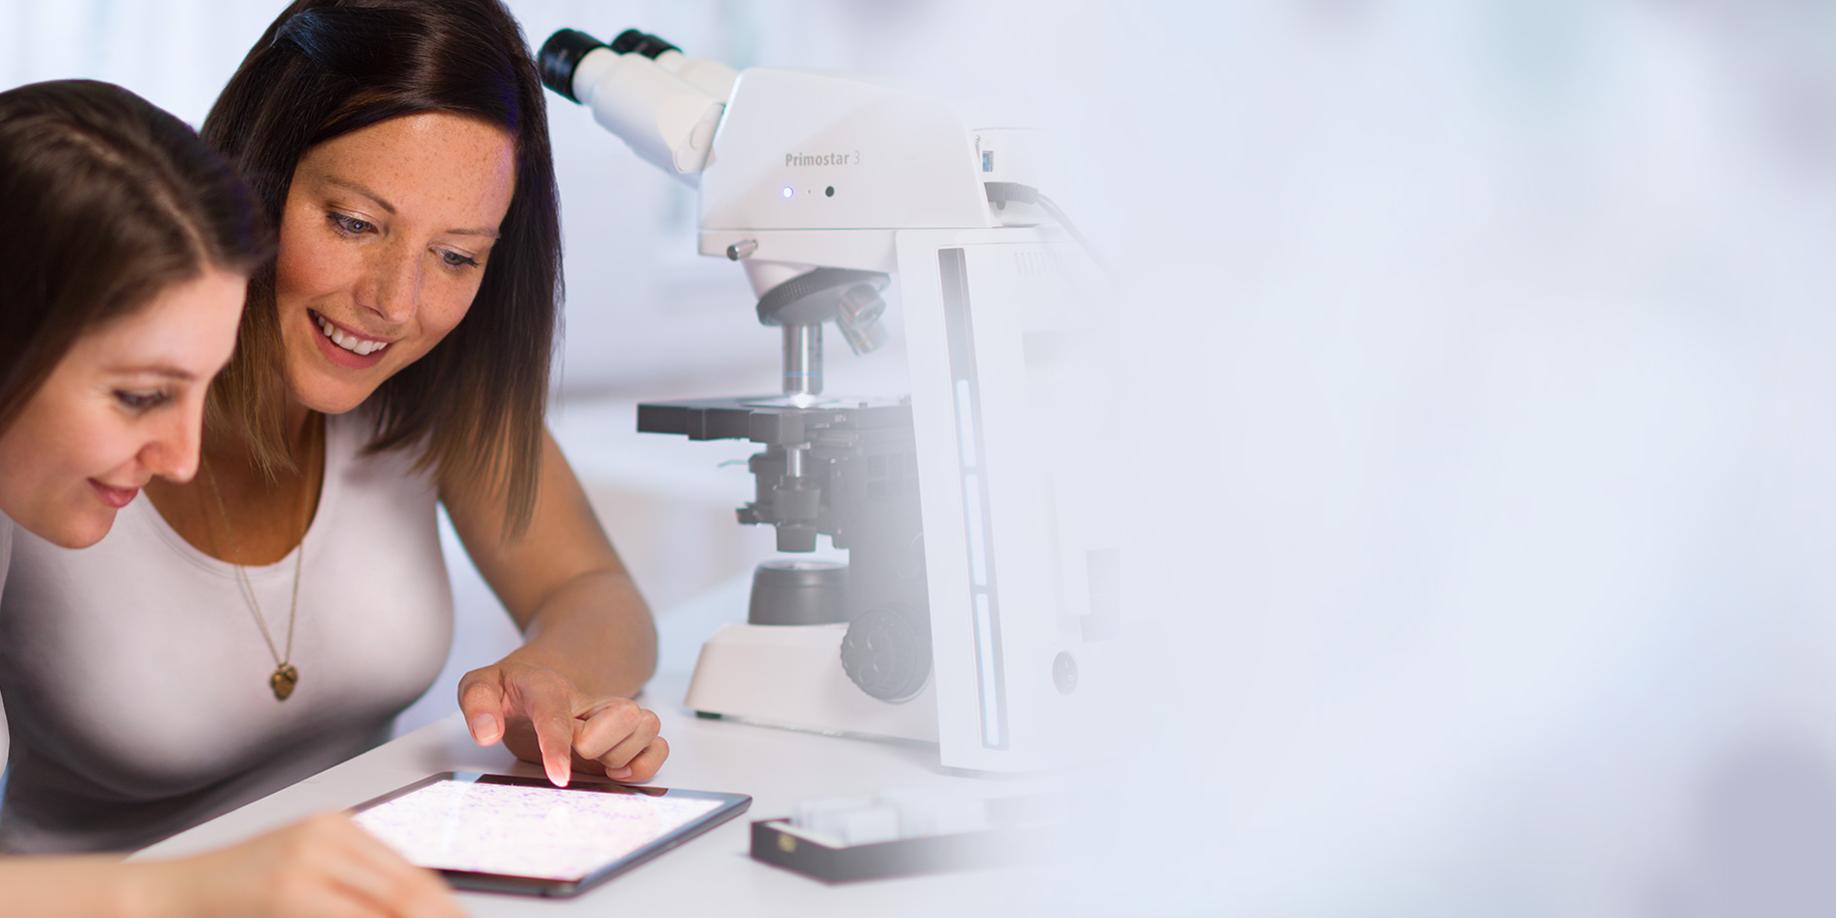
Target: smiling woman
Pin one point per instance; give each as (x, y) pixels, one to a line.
(451, 127)
(393, 359)
(127, 248)
(352, 300)
(118, 303)
(123, 405)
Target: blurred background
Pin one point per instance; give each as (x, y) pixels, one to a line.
(1485, 565)
(1478, 358)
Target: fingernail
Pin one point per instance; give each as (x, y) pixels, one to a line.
(619, 775)
(484, 728)
(556, 776)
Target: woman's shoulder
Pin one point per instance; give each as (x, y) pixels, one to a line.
(348, 452)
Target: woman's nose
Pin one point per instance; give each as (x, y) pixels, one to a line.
(394, 289)
(173, 451)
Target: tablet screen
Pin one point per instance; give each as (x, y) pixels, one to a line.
(523, 827)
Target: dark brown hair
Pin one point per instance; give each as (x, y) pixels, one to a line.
(473, 405)
(105, 200)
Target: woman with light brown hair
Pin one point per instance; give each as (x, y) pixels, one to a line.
(128, 246)
(393, 360)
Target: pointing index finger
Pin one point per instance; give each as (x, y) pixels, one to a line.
(547, 705)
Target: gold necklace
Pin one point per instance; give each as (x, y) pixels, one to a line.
(285, 676)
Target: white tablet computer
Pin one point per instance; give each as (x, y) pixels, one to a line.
(524, 835)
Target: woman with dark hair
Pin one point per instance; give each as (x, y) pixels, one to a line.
(392, 359)
(128, 246)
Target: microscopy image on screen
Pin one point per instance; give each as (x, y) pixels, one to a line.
(542, 832)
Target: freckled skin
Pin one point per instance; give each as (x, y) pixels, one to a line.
(381, 275)
(394, 279)
(405, 269)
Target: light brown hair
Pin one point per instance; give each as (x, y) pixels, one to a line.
(107, 201)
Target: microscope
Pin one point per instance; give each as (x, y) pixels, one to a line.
(981, 578)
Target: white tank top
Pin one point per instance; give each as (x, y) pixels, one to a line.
(6, 555)
(135, 679)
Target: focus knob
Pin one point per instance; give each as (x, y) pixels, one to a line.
(887, 653)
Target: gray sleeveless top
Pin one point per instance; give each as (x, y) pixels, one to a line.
(6, 555)
(135, 680)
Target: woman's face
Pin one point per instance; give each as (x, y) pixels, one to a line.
(383, 242)
(123, 405)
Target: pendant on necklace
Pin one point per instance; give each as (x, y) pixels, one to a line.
(284, 679)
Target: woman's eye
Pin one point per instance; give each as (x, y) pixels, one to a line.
(457, 260)
(348, 225)
(139, 402)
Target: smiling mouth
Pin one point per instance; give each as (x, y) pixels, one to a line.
(345, 339)
(113, 496)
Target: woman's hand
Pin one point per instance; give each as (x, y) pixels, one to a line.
(542, 717)
(324, 865)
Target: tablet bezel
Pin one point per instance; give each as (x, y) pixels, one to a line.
(731, 805)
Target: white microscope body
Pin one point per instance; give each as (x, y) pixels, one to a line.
(807, 176)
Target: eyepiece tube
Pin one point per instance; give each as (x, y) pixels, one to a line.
(632, 41)
(561, 55)
(663, 118)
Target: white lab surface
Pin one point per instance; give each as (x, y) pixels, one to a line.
(710, 875)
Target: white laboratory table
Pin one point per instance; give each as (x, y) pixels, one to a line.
(711, 875)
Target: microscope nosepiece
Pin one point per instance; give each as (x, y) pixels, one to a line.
(857, 314)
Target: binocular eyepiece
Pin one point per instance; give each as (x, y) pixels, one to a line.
(561, 53)
(643, 89)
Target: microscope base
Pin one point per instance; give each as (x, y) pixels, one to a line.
(791, 676)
